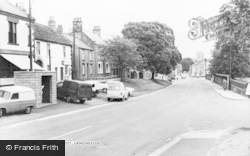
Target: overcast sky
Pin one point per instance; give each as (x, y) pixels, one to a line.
(112, 15)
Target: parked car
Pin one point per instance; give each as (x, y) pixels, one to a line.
(130, 91)
(74, 91)
(16, 98)
(97, 87)
(117, 90)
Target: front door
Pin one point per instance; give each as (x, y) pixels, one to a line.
(62, 73)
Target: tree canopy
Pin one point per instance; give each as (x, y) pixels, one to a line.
(186, 63)
(155, 44)
(233, 44)
(122, 53)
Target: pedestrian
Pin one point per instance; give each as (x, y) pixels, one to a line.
(224, 83)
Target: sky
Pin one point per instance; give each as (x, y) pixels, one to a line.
(112, 15)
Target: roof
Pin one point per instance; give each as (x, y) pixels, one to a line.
(97, 39)
(45, 33)
(6, 6)
(78, 42)
(16, 89)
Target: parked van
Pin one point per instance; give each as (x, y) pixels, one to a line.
(16, 98)
(117, 90)
(74, 91)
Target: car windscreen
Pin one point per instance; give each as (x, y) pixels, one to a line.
(4, 94)
(114, 88)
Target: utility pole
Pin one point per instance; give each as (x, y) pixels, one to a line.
(73, 55)
(77, 27)
(30, 37)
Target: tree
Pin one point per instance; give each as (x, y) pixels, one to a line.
(231, 49)
(155, 43)
(122, 53)
(185, 65)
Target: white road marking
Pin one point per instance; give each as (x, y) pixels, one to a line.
(70, 132)
(186, 89)
(106, 121)
(165, 147)
(207, 134)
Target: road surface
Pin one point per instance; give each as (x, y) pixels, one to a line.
(141, 125)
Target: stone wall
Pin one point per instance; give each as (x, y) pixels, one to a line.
(33, 79)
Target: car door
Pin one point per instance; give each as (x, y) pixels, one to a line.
(14, 104)
(60, 92)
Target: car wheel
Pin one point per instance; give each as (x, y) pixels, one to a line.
(28, 110)
(1, 112)
(123, 98)
(127, 97)
(68, 99)
(109, 99)
(82, 101)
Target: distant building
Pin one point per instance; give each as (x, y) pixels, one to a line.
(199, 68)
(85, 61)
(101, 67)
(178, 69)
(14, 42)
(52, 50)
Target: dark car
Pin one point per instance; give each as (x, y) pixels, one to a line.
(74, 91)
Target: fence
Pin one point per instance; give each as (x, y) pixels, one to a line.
(208, 77)
(238, 86)
(234, 85)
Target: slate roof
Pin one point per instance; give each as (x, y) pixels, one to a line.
(6, 6)
(78, 42)
(44, 33)
(97, 39)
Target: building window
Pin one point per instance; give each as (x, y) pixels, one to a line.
(48, 67)
(83, 68)
(83, 54)
(107, 67)
(12, 33)
(38, 50)
(100, 67)
(48, 49)
(64, 51)
(66, 70)
(90, 55)
(91, 69)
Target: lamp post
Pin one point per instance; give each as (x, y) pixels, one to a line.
(30, 37)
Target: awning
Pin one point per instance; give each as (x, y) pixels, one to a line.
(21, 61)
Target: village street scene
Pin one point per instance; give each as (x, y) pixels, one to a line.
(125, 78)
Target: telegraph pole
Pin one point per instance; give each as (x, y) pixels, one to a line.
(30, 37)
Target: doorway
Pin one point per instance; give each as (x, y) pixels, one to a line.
(62, 73)
(46, 91)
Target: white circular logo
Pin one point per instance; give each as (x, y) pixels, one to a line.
(8, 147)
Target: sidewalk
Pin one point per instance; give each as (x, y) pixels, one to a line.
(60, 108)
(226, 94)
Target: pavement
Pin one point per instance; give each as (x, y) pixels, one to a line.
(225, 93)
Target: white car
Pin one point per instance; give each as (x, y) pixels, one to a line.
(96, 86)
(130, 91)
(117, 90)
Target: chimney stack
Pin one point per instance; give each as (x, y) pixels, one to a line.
(97, 30)
(59, 29)
(20, 5)
(52, 23)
